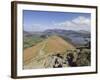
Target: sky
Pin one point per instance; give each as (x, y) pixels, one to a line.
(43, 20)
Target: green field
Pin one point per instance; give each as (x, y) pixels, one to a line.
(31, 41)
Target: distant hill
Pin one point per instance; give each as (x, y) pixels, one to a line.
(75, 37)
(84, 32)
(51, 45)
(26, 34)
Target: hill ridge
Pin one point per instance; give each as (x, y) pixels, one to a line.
(51, 45)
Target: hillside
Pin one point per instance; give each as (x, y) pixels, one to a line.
(36, 55)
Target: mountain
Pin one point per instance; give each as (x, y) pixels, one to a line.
(75, 37)
(67, 33)
(51, 45)
(40, 47)
(84, 32)
(26, 34)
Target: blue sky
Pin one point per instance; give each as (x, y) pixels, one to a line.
(42, 20)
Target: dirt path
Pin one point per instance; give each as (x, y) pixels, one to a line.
(41, 52)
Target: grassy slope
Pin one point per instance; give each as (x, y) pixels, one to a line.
(31, 41)
(50, 45)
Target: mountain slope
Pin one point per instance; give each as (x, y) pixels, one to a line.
(51, 45)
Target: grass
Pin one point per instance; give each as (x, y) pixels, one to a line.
(31, 41)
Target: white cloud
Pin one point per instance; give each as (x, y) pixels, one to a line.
(65, 24)
(79, 23)
(81, 20)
